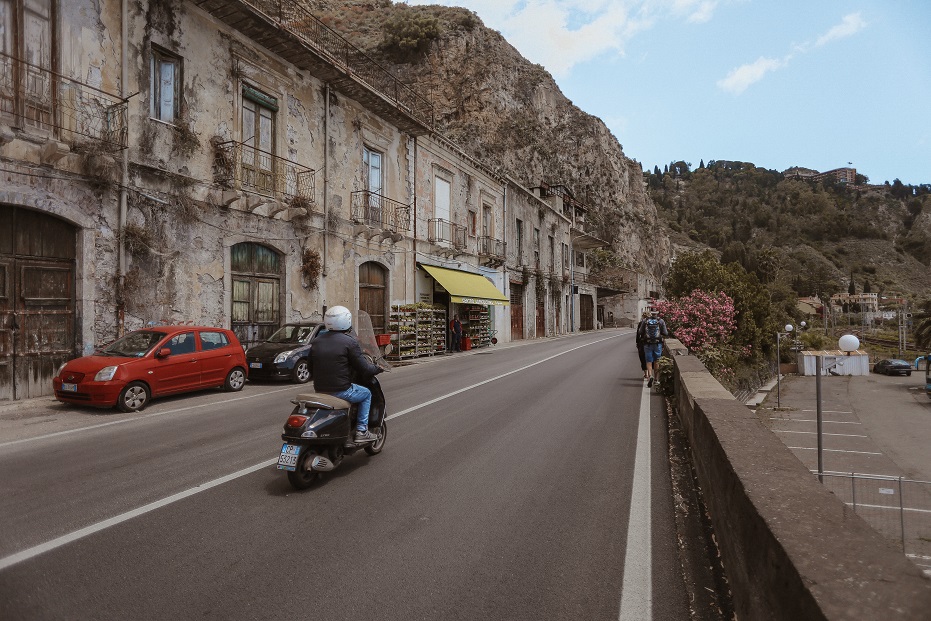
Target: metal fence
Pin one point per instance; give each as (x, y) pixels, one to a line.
(899, 509)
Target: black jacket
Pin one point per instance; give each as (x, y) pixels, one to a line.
(333, 358)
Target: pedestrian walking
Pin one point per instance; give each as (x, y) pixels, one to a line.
(639, 340)
(652, 332)
(455, 329)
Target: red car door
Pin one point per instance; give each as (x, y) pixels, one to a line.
(217, 357)
(181, 368)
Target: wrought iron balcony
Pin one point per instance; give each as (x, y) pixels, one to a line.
(376, 210)
(290, 30)
(445, 232)
(242, 167)
(491, 247)
(76, 113)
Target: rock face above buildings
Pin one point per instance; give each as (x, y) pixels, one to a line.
(510, 113)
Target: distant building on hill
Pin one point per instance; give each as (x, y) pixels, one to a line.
(869, 302)
(840, 175)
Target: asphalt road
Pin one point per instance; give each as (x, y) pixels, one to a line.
(510, 487)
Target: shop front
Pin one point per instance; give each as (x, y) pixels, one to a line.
(471, 296)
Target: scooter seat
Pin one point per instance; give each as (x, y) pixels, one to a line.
(322, 400)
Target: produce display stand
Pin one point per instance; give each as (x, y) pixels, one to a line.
(478, 325)
(417, 330)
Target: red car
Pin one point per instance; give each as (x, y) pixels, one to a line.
(153, 362)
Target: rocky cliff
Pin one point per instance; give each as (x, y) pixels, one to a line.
(509, 113)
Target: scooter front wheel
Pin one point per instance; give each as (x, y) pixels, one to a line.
(375, 447)
(303, 477)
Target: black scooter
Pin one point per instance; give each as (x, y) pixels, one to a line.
(318, 434)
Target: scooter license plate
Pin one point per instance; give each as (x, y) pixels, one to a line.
(287, 460)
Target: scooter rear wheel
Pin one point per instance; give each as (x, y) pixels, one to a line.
(375, 447)
(302, 478)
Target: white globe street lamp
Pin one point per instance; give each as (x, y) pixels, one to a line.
(847, 344)
(779, 335)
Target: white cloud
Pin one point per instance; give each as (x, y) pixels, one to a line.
(850, 25)
(739, 79)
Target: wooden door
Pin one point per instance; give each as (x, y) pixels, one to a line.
(586, 312)
(372, 293)
(37, 301)
(541, 319)
(517, 311)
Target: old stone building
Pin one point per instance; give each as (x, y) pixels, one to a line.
(236, 163)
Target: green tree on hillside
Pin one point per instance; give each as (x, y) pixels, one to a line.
(756, 325)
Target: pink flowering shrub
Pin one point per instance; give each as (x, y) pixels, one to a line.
(705, 323)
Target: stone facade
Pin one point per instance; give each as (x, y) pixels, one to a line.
(209, 180)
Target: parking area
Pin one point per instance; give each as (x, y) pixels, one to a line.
(876, 433)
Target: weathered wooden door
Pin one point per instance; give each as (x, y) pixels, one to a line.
(586, 312)
(256, 276)
(372, 288)
(37, 301)
(541, 319)
(517, 311)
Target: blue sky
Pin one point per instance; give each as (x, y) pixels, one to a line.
(780, 83)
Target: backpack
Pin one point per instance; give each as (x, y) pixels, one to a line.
(651, 330)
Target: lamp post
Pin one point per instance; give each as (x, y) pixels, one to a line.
(779, 335)
(847, 344)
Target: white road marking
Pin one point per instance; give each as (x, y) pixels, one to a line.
(827, 411)
(140, 417)
(840, 435)
(34, 551)
(895, 508)
(814, 420)
(637, 590)
(488, 381)
(806, 448)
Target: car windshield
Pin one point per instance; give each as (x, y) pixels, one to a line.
(291, 334)
(134, 344)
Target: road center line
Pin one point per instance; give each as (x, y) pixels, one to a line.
(34, 551)
(637, 590)
(492, 379)
(140, 417)
(809, 448)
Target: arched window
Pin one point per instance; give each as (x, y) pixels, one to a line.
(256, 275)
(373, 280)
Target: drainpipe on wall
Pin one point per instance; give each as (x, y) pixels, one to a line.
(414, 243)
(326, 181)
(121, 249)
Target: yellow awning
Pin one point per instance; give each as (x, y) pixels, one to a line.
(467, 288)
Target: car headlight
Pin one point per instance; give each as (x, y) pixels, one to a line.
(105, 374)
(283, 356)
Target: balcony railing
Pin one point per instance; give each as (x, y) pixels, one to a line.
(294, 16)
(443, 231)
(376, 210)
(491, 247)
(242, 167)
(34, 97)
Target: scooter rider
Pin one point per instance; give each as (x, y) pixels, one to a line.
(333, 357)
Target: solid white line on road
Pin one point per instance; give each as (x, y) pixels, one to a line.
(493, 379)
(637, 590)
(827, 411)
(139, 417)
(119, 519)
(841, 435)
(34, 551)
(807, 448)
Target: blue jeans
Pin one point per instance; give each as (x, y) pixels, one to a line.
(362, 396)
(652, 351)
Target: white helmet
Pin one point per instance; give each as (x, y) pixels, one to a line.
(338, 319)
